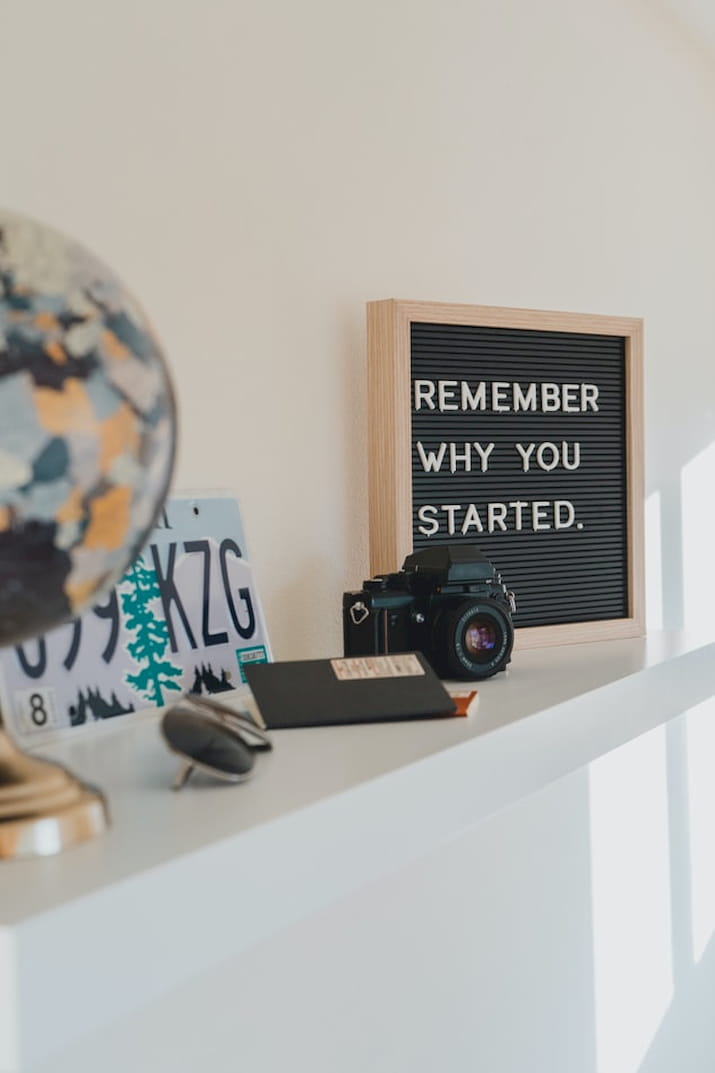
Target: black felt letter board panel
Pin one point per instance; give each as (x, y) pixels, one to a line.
(557, 510)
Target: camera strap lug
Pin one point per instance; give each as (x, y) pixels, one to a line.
(358, 613)
(512, 601)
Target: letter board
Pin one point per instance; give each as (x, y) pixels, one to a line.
(519, 431)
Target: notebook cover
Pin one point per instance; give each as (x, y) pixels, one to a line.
(367, 689)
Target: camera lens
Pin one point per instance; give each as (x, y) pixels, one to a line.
(480, 638)
(474, 639)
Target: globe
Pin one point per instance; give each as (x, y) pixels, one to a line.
(87, 438)
(87, 428)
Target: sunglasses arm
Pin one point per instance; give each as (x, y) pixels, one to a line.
(182, 775)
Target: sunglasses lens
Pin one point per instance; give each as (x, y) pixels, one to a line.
(206, 742)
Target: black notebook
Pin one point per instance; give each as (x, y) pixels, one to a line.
(363, 689)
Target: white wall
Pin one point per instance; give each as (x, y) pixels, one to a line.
(258, 170)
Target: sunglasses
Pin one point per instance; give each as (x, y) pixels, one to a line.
(209, 736)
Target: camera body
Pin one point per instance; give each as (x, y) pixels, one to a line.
(447, 602)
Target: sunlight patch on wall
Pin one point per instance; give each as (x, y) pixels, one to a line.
(698, 486)
(630, 860)
(653, 563)
(700, 745)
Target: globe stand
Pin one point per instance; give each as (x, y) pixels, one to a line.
(43, 809)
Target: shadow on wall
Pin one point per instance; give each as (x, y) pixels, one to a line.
(355, 445)
(680, 567)
(692, 20)
(653, 864)
(653, 899)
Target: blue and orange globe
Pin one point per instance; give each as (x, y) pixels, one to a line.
(87, 428)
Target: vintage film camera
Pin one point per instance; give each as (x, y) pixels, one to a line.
(447, 602)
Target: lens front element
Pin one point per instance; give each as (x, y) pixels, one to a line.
(476, 639)
(480, 638)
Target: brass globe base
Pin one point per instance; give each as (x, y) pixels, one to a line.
(43, 809)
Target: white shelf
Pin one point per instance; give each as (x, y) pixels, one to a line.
(184, 881)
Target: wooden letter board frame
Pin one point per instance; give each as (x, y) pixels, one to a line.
(389, 333)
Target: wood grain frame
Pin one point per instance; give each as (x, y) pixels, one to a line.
(390, 422)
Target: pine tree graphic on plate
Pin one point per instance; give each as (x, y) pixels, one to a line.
(151, 636)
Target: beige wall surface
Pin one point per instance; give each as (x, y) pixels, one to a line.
(258, 171)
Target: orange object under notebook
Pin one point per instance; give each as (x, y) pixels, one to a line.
(466, 701)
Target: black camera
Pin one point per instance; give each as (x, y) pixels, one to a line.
(447, 602)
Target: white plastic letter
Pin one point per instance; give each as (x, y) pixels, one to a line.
(430, 525)
(499, 402)
(525, 401)
(446, 391)
(431, 460)
(589, 397)
(568, 463)
(451, 509)
(538, 511)
(569, 396)
(550, 398)
(424, 393)
(525, 454)
(561, 522)
(484, 453)
(465, 457)
(496, 516)
(474, 400)
(472, 519)
(518, 506)
(541, 458)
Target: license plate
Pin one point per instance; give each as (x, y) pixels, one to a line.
(185, 617)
